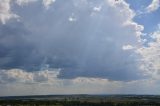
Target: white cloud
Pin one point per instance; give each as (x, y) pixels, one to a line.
(127, 47)
(24, 2)
(15, 75)
(5, 11)
(151, 56)
(97, 8)
(30, 83)
(47, 3)
(72, 18)
(153, 6)
(45, 76)
(5, 8)
(21, 76)
(24, 83)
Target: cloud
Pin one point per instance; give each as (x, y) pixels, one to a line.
(90, 47)
(72, 18)
(97, 9)
(151, 56)
(127, 47)
(16, 50)
(25, 83)
(153, 6)
(20, 82)
(15, 75)
(24, 77)
(5, 11)
(24, 2)
(47, 3)
(5, 8)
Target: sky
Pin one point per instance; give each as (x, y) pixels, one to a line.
(79, 47)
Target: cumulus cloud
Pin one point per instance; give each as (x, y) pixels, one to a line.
(47, 3)
(20, 82)
(15, 75)
(5, 8)
(21, 76)
(127, 47)
(72, 18)
(24, 2)
(97, 8)
(153, 6)
(91, 46)
(23, 83)
(5, 11)
(151, 56)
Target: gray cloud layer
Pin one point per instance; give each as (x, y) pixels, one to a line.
(89, 46)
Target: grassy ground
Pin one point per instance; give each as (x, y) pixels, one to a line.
(74, 103)
(82, 100)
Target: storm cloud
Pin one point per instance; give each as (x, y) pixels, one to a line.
(73, 37)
